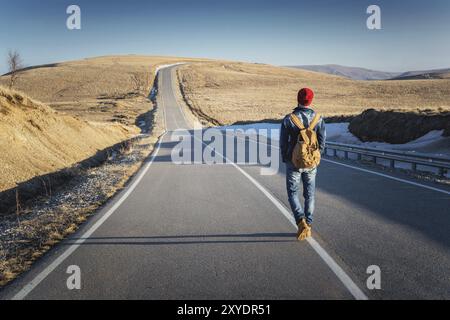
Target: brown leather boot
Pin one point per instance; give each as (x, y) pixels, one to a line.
(304, 230)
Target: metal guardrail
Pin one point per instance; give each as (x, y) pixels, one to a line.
(441, 163)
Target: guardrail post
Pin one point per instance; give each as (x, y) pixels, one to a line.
(392, 164)
(414, 167)
(334, 153)
(346, 155)
(442, 172)
(359, 156)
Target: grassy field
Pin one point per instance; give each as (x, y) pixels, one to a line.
(227, 93)
(105, 89)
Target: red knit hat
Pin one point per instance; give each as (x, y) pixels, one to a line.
(305, 97)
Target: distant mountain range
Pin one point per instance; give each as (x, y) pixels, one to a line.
(367, 74)
(425, 74)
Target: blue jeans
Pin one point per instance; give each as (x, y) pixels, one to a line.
(308, 179)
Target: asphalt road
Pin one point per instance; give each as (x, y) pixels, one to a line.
(199, 231)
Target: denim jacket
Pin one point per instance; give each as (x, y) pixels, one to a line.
(289, 131)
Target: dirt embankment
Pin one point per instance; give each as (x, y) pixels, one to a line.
(36, 140)
(398, 126)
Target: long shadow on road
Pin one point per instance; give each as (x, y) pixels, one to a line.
(177, 239)
(423, 210)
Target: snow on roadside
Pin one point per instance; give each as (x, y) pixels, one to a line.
(433, 143)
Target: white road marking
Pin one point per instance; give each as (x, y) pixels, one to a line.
(369, 171)
(388, 176)
(164, 113)
(163, 103)
(179, 109)
(175, 120)
(356, 292)
(44, 273)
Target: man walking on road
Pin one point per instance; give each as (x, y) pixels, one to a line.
(302, 141)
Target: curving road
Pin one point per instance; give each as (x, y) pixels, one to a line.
(199, 231)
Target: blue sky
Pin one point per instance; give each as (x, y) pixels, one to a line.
(414, 35)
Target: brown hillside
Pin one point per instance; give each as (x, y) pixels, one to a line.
(35, 139)
(233, 92)
(102, 89)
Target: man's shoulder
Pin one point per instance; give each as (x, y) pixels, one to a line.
(286, 118)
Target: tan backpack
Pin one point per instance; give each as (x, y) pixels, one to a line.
(306, 154)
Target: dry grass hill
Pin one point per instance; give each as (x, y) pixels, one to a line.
(35, 139)
(226, 92)
(110, 88)
(87, 106)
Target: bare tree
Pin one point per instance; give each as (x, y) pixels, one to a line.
(15, 63)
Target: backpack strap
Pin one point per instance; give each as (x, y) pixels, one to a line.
(315, 121)
(297, 122)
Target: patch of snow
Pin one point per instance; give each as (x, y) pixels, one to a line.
(433, 143)
(256, 126)
(338, 132)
